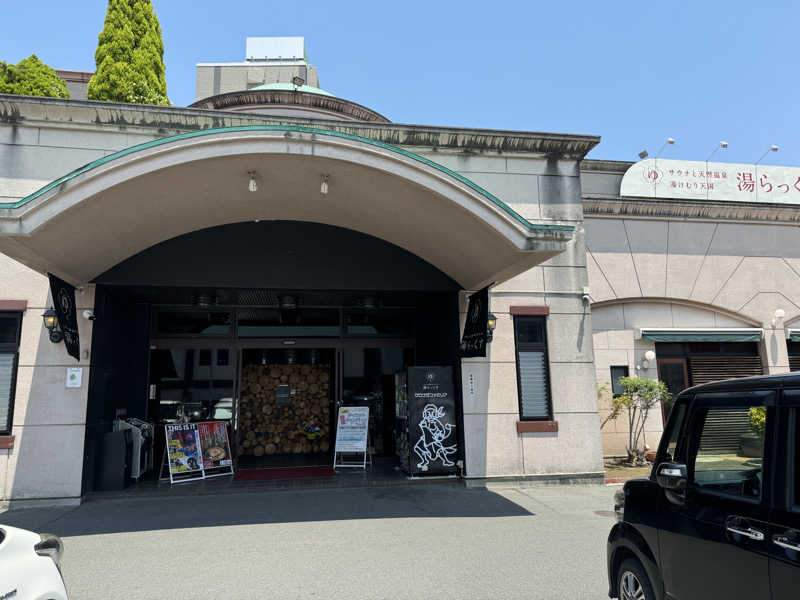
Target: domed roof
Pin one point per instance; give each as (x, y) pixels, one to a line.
(292, 88)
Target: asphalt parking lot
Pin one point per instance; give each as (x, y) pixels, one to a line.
(437, 541)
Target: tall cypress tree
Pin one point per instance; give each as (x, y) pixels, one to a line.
(130, 56)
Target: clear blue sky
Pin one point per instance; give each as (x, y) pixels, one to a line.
(632, 72)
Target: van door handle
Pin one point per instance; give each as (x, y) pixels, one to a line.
(784, 542)
(753, 534)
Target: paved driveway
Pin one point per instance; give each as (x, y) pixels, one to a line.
(436, 541)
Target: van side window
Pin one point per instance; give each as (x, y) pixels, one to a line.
(729, 449)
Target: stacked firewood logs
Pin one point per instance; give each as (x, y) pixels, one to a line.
(267, 427)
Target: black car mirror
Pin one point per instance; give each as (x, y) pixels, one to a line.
(672, 478)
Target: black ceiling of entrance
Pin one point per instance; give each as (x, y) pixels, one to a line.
(279, 255)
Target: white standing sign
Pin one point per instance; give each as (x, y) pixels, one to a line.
(352, 426)
(74, 377)
(697, 180)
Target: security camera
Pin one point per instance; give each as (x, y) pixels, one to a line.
(586, 299)
(88, 315)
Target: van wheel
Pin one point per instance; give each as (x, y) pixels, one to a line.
(633, 583)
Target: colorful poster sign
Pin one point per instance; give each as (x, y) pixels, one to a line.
(183, 448)
(215, 445)
(699, 180)
(351, 429)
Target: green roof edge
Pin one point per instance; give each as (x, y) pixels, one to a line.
(300, 129)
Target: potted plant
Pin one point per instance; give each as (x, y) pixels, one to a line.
(751, 445)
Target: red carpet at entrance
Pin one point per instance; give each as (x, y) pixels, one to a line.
(261, 474)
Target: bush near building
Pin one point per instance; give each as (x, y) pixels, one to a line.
(640, 395)
(31, 77)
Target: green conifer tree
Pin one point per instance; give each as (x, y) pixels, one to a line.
(31, 77)
(130, 56)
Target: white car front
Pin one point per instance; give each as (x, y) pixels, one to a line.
(29, 566)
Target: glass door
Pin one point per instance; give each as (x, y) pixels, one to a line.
(368, 380)
(190, 381)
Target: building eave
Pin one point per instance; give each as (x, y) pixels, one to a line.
(648, 208)
(170, 120)
(605, 166)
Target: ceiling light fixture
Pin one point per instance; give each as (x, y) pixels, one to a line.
(323, 188)
(253, 184)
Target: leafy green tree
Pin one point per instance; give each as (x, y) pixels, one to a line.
(31, 77)
(639, 396)
(130, 56)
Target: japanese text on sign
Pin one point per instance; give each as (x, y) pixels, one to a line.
(712, 181)
(351, 429)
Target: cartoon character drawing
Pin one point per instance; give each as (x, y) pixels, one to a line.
(429, 446)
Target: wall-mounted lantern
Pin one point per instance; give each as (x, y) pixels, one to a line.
(649, 357)
(491, 325)
(51, 324)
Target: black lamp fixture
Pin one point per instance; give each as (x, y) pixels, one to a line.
(51, 324)
(491, 324)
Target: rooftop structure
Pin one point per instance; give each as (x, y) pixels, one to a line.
(267, 60)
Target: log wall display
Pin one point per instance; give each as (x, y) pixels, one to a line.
(270, 426)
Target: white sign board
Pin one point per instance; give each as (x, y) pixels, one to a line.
(274, 48)
(696, 180)
(351, 429)
(74, 377)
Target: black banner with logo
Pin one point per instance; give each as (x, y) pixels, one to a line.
(64, 303)
(432, 435)
(473, 342)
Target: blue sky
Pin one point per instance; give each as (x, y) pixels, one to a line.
(633, 72)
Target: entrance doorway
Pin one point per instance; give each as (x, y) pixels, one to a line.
(173, 355)
(280, 399)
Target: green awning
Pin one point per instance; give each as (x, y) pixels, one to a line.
(703, 335)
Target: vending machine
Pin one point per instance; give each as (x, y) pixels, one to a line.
(426, 438)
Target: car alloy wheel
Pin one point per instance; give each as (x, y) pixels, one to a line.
(630, 588)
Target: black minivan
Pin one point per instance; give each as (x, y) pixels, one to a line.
(719, 517)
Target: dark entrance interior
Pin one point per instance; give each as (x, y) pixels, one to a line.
(684, 364)
(289, 319)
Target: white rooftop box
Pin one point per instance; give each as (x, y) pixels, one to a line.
(275, 48)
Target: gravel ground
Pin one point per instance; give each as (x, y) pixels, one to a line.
(437, 541)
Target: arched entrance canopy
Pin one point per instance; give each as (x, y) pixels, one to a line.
(86, 222)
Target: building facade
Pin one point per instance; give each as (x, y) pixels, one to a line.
(271, 232)
(693, 272)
